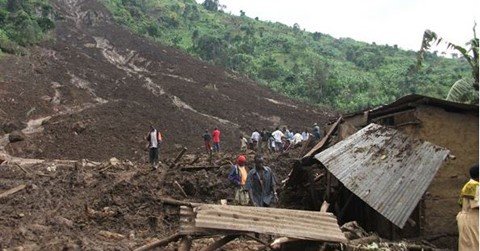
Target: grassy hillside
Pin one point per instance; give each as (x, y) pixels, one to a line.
(23, 22)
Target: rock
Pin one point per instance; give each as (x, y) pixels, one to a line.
(61, 221)
(114, 161)
(79, 127)
(52, 168)
(111, 235)
(16, 136)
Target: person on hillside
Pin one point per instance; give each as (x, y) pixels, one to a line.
(238, 177)
(255, 139)
(297, 139)
(154, 139)
(316, 131)
(263, 139)
(216, 139)
(467, 218)
(305, 135)
(207, 138)
(261, 184)
(243, 144)
(277, 136)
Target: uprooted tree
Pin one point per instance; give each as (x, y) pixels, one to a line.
(463, 90)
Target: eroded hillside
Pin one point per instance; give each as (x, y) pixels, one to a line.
(93, 88)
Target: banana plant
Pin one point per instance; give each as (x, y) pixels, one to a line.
(458, 90)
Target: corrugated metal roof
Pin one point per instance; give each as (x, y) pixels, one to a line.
(306, 225)
(388, 170)
(414, 100)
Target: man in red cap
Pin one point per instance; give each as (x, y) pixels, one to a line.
(238, 177)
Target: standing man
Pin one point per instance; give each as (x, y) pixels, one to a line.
(238, 177)
(207, 138)
(277, 136)
(243, 144)
(255, 139)
(264, 140)
(154, 139)
(216, 139)
(467, 219)
(261, 184)
(316, 131)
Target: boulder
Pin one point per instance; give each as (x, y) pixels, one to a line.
(16, 136)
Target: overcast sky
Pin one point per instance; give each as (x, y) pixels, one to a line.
(400, 22)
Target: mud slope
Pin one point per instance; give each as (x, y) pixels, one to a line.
(95, 87)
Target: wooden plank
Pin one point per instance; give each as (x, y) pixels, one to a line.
(324, 140)
(177, 202)
(159, 243)
(180, 188)
(179, 156)
(198, 168)
(12, 191)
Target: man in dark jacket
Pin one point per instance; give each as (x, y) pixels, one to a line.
(207, 138)
(261, 184)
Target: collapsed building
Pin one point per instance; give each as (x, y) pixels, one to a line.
(396, 169)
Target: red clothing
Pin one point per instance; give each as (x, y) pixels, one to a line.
(216, 136)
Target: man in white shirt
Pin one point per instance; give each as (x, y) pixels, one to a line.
(255, 139)
(278, 135)
(154, 139)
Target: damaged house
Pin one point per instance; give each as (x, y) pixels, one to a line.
(397, 169)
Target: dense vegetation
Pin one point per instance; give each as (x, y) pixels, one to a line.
(341, 73)
(23, 22)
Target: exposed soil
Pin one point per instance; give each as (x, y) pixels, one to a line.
(97, 87)
(91, 92)
(97, 206)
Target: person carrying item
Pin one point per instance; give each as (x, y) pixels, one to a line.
(238, 177)
(467, 218)
(216, 139)
(261, 184)
(207, 138)
(154, 139)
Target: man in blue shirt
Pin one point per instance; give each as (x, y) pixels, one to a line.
(261, 184)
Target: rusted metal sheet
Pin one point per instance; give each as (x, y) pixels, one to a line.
(388, 170)
(187, 224)
(306, 225)
(414, 100)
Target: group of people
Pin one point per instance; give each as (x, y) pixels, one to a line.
(278, 140)
(208, 138)
(257, 185)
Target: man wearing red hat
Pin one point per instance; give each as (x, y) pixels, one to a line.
(238, 177)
